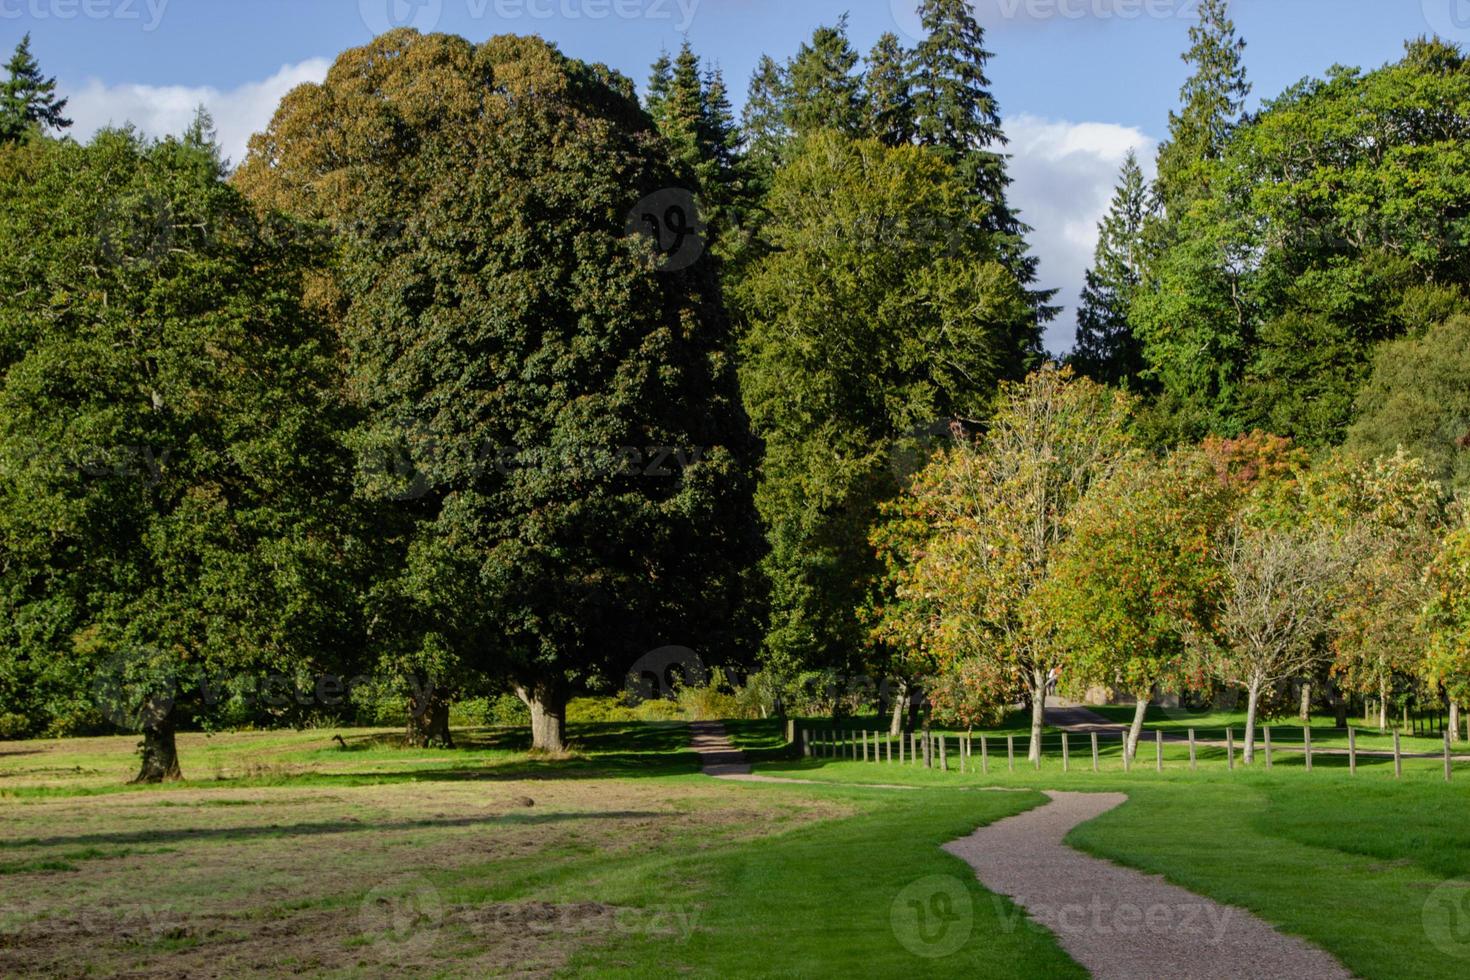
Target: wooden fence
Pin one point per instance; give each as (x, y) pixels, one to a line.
(979, 753)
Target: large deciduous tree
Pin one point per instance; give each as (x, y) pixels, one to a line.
(1138, 566)
(168, 421)
(579, 491)
(1446, 620)
(985, 524)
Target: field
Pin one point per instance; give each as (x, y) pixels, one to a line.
(287, 853)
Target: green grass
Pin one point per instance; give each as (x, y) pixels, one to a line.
(701, 878)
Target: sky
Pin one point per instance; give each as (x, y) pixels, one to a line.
(1080, 82)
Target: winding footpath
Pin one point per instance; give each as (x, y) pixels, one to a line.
(1122, 923)
(1114, 921)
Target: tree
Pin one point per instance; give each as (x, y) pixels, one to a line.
(985, 525)
(881, 307)
(1330, 218)
(1136, 567)
(691, 108)
(888, 91)
(1267, 624)
(1396, 513)
(823, 91)
(958, 117)
(1446, 619)
(173, 518)
(1417, 398)
(578, 490)
(1106, 349)
(28, 99)
(764, 124)
(1212, 101)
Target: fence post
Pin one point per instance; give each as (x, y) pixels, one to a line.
(1193, 759)
(1094, 751)
(1448, 768)
(928, 751)
(806, 744)
(1230, 748)
(1352, 751)
(943, 756)
(1398, 758)
(1266, 738)
(1307, 741)
(1066, 754)
(1011, 752)
(1159, 749)
(984, 755)
(852, 742)
(790, 731)
(865, 746)
(888, 748)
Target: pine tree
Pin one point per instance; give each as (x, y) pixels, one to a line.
(1106, 349)
(888, 91)
(764, 120)
(28, 100)
(1212, 101)
(824, 92)
(956, 114)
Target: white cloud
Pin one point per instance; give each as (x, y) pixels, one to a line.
(1064, 174)
(162, 110)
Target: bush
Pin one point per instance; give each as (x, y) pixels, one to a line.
(507, 711)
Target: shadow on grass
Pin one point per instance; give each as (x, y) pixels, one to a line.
(326, 827)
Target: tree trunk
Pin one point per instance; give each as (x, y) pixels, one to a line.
(159, 752)
(1454, 721)
(895, 724)
(1306, 713)
(548, 716)
(428, 716)
(915, 700)
(1340, 708)
(1038, 713)
(1136, 729)
(1383, 706)
(1253, 698)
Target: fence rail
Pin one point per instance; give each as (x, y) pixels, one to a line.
(946, 752)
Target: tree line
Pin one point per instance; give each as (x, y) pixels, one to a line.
(365, 404)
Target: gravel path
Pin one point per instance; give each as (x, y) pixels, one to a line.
(1122, 923)
(718, 756)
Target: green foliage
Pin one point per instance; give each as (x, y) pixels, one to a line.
(1137, 567)
(1336, 201)
(881, 308)
(1212, 102)
(512, 342)
(1418, 398)
(173, 490)
(28, 101)
(1106, 348)
(888, 90)
(975, 538)
(1447, 616)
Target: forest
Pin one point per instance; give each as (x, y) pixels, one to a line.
(488, 371)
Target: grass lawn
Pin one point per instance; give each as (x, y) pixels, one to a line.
(285, 853)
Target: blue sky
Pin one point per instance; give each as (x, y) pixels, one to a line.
(1079, 81)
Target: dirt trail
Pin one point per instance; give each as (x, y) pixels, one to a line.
(1121, 923)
